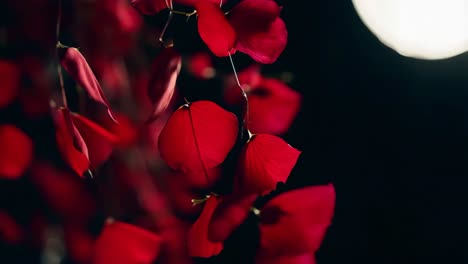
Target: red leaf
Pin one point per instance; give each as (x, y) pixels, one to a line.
(9, 79)
(161, 86)
(17, 152)
(273, 107)
(214, 29)
(307, 258)
(120, 242)
(230, 213)
(295, 222)
(75, 64)
(266, 161)
(198, 137)
(198, 243)
(149, 7)
(70, 143)
(10, 231)
(261, 32)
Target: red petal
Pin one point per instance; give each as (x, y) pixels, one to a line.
(250, 78)
(198, 137)
(192, 3)
(261, 33)
(124, 243)
(79, 243)
(273, 107)
(70, 143)
(64, 193)
(295, 222)
(231, 213)
(75, 64)
(307, 258)
(199, 180)
(161, 86)
(214, 29)
(266, 46)
(98, 140)
(10, 231)
(17, 152)
(149, 7)
(200, 65)
(9, 79)
(266, 161)
(198, 243)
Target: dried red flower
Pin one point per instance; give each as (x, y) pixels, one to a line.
(122, 243)
(198, 244)
(17, 152)
(198, 136)
(266, 160)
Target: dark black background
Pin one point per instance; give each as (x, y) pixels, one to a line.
(389, 131)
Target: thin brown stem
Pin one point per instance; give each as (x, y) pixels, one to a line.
(163, 32)
(245, 119)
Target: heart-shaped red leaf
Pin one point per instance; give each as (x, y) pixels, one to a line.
(77, 66)
(261, 32)
(295, 222)
(69, 141)
(198, 244)
(120, 242)
(230, 213)
(198, 136)
(149, 7)
(265, 161)
(214, 29)
(9, 81)
(17, 152)
(161, 86)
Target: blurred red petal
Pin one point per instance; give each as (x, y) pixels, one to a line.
(10, 231)
(161, 86)
(98, 140)
(123, 243)
(69, 141)
(200, 65)
(230, 213)
(149, 7)
(9, 80)
(214, 29)
(266, 161)
(273, 107)
(198, 137)
(79, 243)
(180, 196)
(192, 3)
(66, 195)
(295, 222)
(263, 46)
(307, 258)
(17, 152)
(250, 78)
(198, 243)
(75, 64)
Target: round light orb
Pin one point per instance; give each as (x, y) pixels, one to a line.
(424, 29)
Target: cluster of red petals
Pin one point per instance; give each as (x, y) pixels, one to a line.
(198, 137)
(122, 243)
(273, 105)
(253, 27)
(17, 152)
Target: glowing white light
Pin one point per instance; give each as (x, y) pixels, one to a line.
(426, 29)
